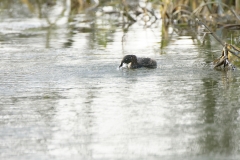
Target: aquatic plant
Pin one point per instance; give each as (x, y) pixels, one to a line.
(182, 15)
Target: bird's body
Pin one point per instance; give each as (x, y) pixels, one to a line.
(134, 62)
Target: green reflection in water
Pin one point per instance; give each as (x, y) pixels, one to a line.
(218, 134)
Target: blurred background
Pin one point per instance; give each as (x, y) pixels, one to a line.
(94, 23)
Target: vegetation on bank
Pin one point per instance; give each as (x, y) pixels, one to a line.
(198, 17)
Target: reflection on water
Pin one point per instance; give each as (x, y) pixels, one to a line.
(62, 95)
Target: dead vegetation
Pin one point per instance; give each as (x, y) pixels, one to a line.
(201, 17)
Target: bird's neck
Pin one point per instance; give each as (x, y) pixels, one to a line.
(134, 64)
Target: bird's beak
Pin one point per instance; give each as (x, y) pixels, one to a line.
(121, 65)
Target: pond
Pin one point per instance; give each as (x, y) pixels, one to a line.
(63, 96)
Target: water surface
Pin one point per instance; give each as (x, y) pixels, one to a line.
(63, 96)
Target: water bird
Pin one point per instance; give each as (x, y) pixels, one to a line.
(134, 62)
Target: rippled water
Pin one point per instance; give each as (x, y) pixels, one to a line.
(74, 102)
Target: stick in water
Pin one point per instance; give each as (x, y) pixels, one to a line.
(219, 40)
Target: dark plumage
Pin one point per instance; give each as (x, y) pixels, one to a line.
(135, 62)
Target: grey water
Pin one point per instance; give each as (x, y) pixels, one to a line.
(63, 96)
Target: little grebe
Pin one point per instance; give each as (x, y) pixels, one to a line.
(134, 62)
